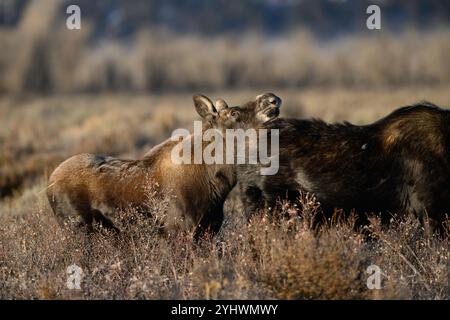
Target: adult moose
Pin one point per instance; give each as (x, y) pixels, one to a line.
(397, 164)
(94, 187)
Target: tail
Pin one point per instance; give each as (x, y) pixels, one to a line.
(53, 200)
(51, 196)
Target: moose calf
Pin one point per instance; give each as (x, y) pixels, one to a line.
(94, 187)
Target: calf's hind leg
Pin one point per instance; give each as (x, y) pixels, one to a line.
(103, 220)
(65, 205)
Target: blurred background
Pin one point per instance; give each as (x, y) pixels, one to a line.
(124, 81)
(168, 45)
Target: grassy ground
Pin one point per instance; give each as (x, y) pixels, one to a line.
(271, 257)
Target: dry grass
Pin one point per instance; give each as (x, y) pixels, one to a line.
(271, 257)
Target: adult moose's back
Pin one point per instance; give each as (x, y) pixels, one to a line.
(397, 164)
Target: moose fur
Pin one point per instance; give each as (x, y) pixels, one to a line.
(397, 164)
(94, 187)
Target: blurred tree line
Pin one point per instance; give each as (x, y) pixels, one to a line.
(325, 18)
(138, 45)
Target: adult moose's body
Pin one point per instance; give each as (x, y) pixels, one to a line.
(94, 187)
(397, 164)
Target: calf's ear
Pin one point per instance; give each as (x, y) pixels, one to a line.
(221, 104)
(204, 106)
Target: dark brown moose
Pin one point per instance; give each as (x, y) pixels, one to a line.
(398, 164)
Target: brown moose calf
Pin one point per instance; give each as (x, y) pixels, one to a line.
(94, 186)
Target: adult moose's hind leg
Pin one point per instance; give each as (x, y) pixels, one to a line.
(428, 198)
(252, 199)
(210, 223)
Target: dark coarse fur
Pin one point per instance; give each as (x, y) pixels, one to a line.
(395, 165)
(94, 187)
